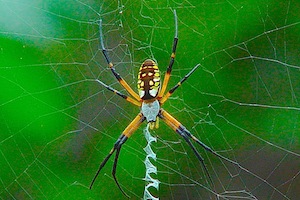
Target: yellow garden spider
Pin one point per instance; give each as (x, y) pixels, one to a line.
(150, 98)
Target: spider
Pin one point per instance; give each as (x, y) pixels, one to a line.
(151, 96)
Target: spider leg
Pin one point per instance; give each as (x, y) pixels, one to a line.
(183, 132)
(111, 66)
(115, 170)
(129, 130)
(127, 98)
(172, 90)
(116, 146)
(169, 69)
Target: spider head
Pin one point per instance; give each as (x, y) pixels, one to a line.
(148, 80)
(150, 111)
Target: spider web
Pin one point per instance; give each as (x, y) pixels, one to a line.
(58, 123)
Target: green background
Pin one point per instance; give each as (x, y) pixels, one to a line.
(57, 123)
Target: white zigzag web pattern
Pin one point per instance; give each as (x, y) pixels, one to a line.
(150, 168)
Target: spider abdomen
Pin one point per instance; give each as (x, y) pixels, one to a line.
(148, 80)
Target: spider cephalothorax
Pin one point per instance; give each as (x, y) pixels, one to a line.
(151, 96)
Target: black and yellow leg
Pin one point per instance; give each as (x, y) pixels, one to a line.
(183, 132)
(169, 69)
(129, 130)
(111, 66)
(127, 98)
(172, 90)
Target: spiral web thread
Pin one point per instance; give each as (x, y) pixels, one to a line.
(150, 168)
